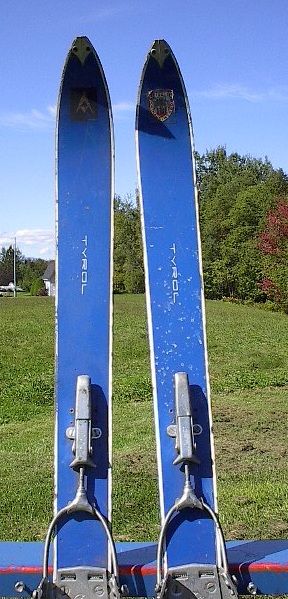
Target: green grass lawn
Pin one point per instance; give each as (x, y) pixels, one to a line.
(249, 377)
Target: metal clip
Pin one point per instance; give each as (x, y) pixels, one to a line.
(82, 432)
(185, 442)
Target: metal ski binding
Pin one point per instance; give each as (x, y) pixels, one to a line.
(80, 581)
(197, 580)
(82, 432)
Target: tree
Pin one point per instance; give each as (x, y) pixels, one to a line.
(273, 244)
(38, 287)
(128, 254)
(7, 265)
(235, 194)
(31, 269)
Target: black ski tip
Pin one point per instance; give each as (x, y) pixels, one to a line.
(160, 43)
(81, 47)
(81, 40)
(160, 50)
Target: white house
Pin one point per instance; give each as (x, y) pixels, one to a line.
(49, 278)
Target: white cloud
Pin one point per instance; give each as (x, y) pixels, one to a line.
(42, 120)
(52, 110)
(237, 91)
(33, 119)
(123, 107)
(31, 242)
(45, 251)
(34, 235)
(120, 109)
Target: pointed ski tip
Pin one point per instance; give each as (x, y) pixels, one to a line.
(160, 50)
(80, 38)
(81, 47)
(160, 42)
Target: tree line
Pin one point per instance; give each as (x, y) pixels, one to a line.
(29, 271)
(243, 208)
(243, 205)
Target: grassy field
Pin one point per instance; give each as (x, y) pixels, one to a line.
(249, 377)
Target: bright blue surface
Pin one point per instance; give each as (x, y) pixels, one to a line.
(178, 342)
(265, 563)
(84, 207)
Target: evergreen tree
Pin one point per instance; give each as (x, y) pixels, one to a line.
(128, 254)
(30, 270)
(7, 265)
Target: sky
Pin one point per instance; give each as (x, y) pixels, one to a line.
(233, 55)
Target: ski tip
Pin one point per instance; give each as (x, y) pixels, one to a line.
(81, 47)
(160, 50)
(83, 61)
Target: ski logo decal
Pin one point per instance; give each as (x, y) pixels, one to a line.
(83, 104)
(161, 103)
(175, 273)
(84, 264)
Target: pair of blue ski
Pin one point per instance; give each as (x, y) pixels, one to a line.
(191, 559)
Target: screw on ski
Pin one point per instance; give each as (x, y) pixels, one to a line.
(191, 557)
(192, 578)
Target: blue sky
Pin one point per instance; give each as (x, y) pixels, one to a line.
(233, 55)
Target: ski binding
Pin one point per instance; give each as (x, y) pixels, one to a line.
(198, 580)
(80, 581)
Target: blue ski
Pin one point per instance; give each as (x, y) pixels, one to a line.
(191, 553)
(84, 552)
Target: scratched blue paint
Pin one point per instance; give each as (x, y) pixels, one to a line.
(171, 228)
(84, 164)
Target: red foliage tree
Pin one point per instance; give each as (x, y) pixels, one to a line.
(273, 244)
(276, 230)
